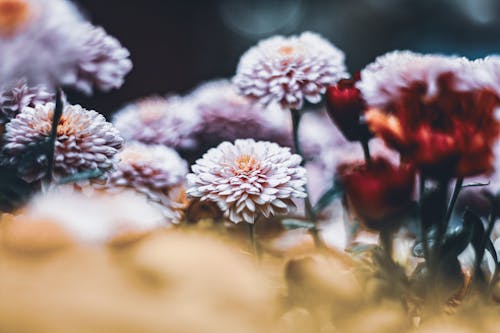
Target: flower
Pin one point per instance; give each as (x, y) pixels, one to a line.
(378, 191)
(13, 14)
(84, 142)
(287, 70)
(156, 120)
(345, 107)
(49, 42)
(154, 170)
(248, 179)
(437, 112)
(15, 98)
(103, 62)
(227, 116)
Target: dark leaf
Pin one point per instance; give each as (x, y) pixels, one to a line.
(327, 198)
(291, 224)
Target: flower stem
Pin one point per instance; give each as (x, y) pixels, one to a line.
(484, 241)
(251, 235)
(366, 151)
(309, 210)
(58, 111)
(423, 228)
(453, 201)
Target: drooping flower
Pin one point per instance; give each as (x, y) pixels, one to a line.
(438, 112)
(156, 171)
(103, 62)
(248, 179)
(171, 122)
(84, 142)
(289, 70)
(49, 42)
(227, 116)
(15, 98)
(345, 107)
(378, 191)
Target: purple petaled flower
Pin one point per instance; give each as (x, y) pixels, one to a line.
(289, 70)
(153, 170)
(84, 142)
(248, 179)
(171, 122)
(227, 116)
(49, 42)
(103, 61)
(15, 98)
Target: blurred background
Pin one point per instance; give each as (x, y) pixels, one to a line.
(177, 44)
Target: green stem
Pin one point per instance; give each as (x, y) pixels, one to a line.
(423, 229)
(58, 111)
(309, 209)
(453, 201)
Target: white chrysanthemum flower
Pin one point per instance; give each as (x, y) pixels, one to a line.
(390, 75)
(153, 170)
(248, 179)
(289, 70)
(94, 219)
(51, 43)
(14, 98)
(103, 62)
(84, 142)
(227, 116)
(171, 122)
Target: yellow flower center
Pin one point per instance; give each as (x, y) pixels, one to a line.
(13, 14)
(286, 50)
(245, 164)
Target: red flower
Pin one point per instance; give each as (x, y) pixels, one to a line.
(345, 106)
(377, 192)
(449, 133)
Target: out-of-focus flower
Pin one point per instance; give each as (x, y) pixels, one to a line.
(287, 70)
(84, 142)
(227, 116)
(103, 61)
(436, 111)
(171, 122)
(248, 179)
(13, 14)
(154, 170)
(49, 42)
(377, 191)
(92, 219)
(14, 98)
(345, 107)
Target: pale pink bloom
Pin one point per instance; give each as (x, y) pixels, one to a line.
(156, 171)
(392, 74)
(227, 116)
(171, 122)
(14, 98)
(55, 46)
(248, 179)
(287, 70)
(84, 142)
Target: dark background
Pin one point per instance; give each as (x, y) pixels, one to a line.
(177, 44)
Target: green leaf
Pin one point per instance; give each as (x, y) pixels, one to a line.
(86, 175)
(327, 198)
(291, 224)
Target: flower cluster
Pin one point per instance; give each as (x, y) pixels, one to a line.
(248, 179)
(437, 111)
(289, 70)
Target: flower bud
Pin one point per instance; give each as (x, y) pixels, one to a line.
(345, 106)
(377, 192)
